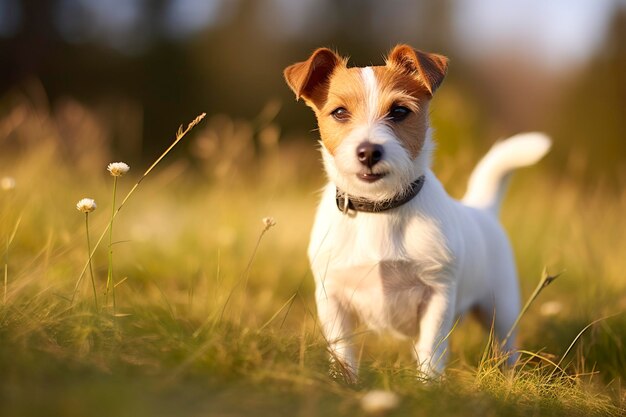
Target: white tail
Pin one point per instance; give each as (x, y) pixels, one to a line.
(488, 181)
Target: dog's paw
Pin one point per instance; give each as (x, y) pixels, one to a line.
(342, 372)
(426, 379)
(428, 374)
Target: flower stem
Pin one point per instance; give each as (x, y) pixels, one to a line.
(546, 280)
(179, 135)
(110, 287)
(6, 272)
(6, 258)
(245, 275)
(93, 281)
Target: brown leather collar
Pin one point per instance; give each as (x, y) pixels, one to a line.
(345, 202)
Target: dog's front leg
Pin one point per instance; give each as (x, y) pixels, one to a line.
(435, 326)
(337, 327)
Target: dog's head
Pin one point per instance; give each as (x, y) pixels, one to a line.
(373, 121)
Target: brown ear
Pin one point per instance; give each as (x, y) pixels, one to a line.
(309, 79)
(429, 68)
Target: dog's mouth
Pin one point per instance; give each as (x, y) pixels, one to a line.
(370, 177)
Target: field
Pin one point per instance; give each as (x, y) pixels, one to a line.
(212, 312)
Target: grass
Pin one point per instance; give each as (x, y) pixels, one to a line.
(215, 312)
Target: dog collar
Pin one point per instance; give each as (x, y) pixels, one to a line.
(345, 202)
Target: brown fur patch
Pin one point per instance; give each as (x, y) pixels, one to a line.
(394, 87)
(398, 88)
(346, 89)
(309, 79)
(429, 68)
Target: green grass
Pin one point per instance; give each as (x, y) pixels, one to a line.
(203, 327)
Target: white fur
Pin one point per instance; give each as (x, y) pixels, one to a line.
(413, 269)
(371, 92)
(488, 181)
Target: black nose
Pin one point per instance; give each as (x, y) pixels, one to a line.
(369, 153)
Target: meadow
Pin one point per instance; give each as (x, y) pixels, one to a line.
(214, 311)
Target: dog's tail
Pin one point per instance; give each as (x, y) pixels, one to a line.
(488, 181)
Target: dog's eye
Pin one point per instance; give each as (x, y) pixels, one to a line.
(398, 113)
(341, 114)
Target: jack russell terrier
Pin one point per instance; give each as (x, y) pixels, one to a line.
(389, 246)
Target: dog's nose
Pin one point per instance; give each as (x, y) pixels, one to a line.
(369, 153)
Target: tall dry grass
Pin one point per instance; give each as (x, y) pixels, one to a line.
(215, 313)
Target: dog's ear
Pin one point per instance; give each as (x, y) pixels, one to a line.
(429, 68)
(309, 79)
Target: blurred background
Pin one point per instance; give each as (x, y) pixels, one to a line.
(87, 82)
(142, 67)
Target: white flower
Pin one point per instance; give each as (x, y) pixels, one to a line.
(379, 401)
(269, 222)
(86, 205)
(7, 183)
(117, 169)
(551, 308)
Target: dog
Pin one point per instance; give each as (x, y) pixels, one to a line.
(389, 246)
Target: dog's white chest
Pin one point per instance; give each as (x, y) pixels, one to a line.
(387, 295)
(380, 267)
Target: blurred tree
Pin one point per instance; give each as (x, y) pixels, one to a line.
(34, 42)
(592, 120)
(232, 62)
